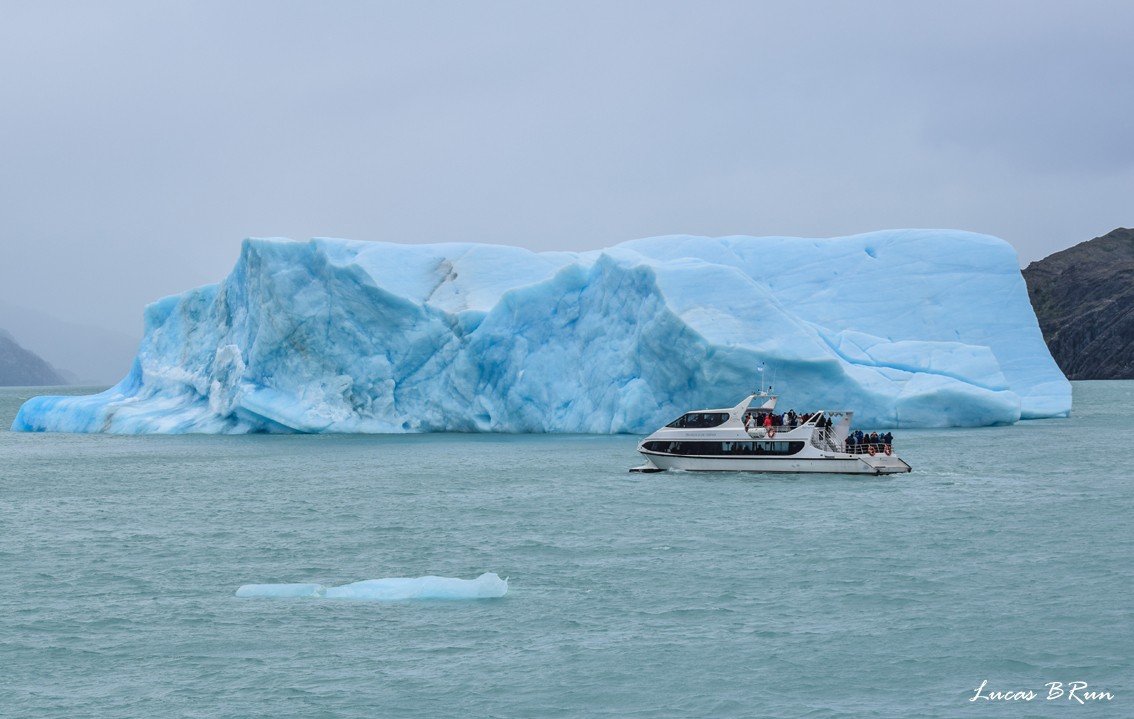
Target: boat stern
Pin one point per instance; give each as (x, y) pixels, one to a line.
(885, 463)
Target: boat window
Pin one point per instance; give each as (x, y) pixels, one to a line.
(730, 449)
(699, 420)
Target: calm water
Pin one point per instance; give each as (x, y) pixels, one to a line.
(1006, 556)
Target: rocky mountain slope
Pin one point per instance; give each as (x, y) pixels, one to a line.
(1084, 301)
(19, 367)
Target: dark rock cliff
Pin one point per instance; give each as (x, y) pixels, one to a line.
(1084, 301)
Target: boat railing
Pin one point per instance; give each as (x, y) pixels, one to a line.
(821, 439)
(868, 447)
(777, 429)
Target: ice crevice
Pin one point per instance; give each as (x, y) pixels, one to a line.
(989, 378)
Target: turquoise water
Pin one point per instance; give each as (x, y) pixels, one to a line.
(1005, 556)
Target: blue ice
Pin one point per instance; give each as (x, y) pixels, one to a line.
(910, 328)
(486, 586)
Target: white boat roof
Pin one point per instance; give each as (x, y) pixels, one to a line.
(769, 404)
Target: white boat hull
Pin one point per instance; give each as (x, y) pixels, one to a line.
(831, 464)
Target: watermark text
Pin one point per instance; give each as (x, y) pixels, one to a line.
(1075, 692)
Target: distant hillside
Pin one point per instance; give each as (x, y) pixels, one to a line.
(1084, 301)
(83, 354)
(20, 368)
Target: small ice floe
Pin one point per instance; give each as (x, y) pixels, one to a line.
(487, 586)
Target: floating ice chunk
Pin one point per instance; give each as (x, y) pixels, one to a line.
(487, 586)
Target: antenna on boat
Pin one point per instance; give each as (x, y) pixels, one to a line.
(760, 387)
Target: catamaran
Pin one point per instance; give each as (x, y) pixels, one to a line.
(752, 437)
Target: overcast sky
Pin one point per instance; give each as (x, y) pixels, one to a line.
(140, 142)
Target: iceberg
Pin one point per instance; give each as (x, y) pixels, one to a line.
(487, 586)
(909, 328)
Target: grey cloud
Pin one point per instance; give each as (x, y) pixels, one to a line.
(142, 142)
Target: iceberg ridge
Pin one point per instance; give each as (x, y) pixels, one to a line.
(906, 327)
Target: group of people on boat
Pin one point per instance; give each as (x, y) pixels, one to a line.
(786, 421)
(858, 442)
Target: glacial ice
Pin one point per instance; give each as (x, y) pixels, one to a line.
(487, 586)
(909, 328)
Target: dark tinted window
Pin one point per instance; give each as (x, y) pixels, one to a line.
(699, 420)
(731, 449)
